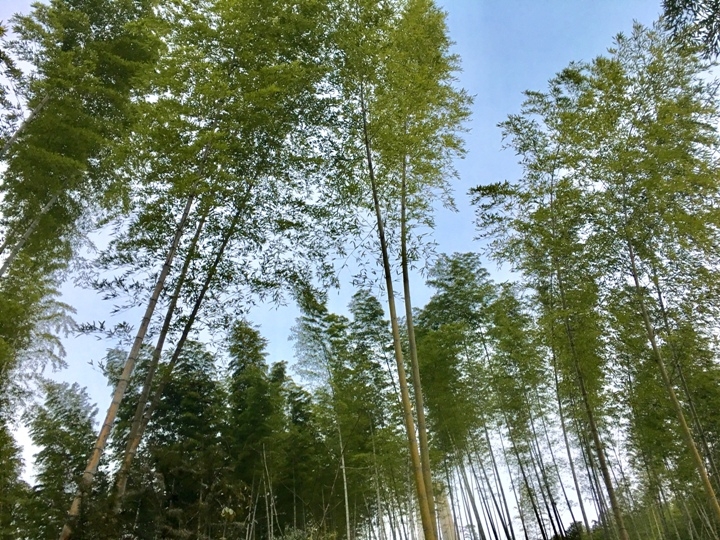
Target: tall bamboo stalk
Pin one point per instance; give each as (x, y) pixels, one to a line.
(133, 443)
(92, 466)
(25, 123)
(425, 515)
(136, 426)
(685, 429)
(30, 229)
(412, 346)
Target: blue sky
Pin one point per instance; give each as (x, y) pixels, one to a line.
(506, 47)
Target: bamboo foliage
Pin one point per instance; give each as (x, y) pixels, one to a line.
(577, 400)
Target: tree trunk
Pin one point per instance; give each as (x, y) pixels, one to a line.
(15, 251)
(594, 432)
(470, 497)
(345, 484)
(526, 481)
(583, 390)
(452, 502)
(501, 490)
(426, 517)
(490, 490)
(445, 515)
(92, 466)
(131, 446)
(412, 346)
(133, 443)
(376, 481)
(686, 389)
(687, 435)
(567, 443)
(539, 470)
(557, 468)
(8, 144)
(514, 490)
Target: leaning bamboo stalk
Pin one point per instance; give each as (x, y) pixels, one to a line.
(555, 464)
(489, 519)
(452, 501)
(567, 444)
(92, 466)
(590, 413)
(136, 426)
(514, 489)
(526, 481)
(17, 247)
(25, 123)
(498, 482)
(496, 504)
(468, 501)
(683, 381)
(539, 470)
(134, 443)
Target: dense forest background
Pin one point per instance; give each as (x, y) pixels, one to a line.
(184, 162)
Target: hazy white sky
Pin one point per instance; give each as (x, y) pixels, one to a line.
(506, 47)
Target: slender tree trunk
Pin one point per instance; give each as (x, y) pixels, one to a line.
(17, 247)
(21, 128)
(486, 507)
(514, 490)
(411, 521)
(468, 493)
(412, 346)
(251, 526)
(526, 481)
(657, 532)
(593, 479)
(376, 481)
(463, 505)
(490, 490)
(6, 242)
(92, 466)
(539, 469)
(294, 492)
(423, 503)
(707, 522)
(594, 432)
(555, 465)
(134, 442)
(686, 389)
(345, 484)
(131, 445)
(395, 498)
(567, 444)
(687, 435)
(664, 509)
(452, 501)
(406, 524)
(692, 529)
(498, 482)
(268, 517)
(446, 518)
(271, 521)
(620, 523)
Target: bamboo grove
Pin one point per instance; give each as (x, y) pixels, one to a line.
(188, 160)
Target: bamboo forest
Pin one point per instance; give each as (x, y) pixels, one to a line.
(176, 164)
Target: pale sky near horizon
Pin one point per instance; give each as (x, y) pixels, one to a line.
(506, 47)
